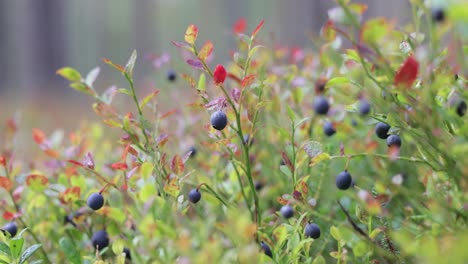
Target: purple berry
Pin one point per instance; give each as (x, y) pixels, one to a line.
(100, 239)
(394, 140)
(95, 201)
(194, 196)
(11, 228)
(328, 128)
(344, 180)
(266, 249)
(312, 230)
(321, 105)
(218, 120)
(287, 211)
(381, 130)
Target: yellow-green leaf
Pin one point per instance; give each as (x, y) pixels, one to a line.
(70, 74)
(191, 34)
(205, 51)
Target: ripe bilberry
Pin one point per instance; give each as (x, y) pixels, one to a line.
(381, 130)
(321, 105)
(171, 75)
(100, 239)
(394, 140)
(287, 211)
(11, 228)
(95, 201)
(364, 107)
(344, 180)
(266, 249)
(312, 230)
(328, 128)
(218, 120)
(194, 196)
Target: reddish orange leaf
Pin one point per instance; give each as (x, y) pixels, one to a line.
(168, 113)
(8, 216)
(282, 201)
(5, 183)
(257, 28)
(248, 80)
(205, 51)
(177, 166)
(38, 136)
(70, 195)
(119, 166)
(119, 67)
(191, 34)
(76, 163)
(234, 77)
(190, 80)
(162, 139)
(240, 26)
(407, 73)
(148, 98)
(51, 153)
(2, 161)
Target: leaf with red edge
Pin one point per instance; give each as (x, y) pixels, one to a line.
(38, 136)
(148, 98)
(167, 114)
(282, 201)
(37, 182)
(119, 166)
(248, 80)
(5, 183)
(240, 26)
(70, 195)
(190, 80)
(191, 34)
(196, 64)
(119, 67)
(328, 31)
(162, 139)
(8, 216)
(177, 165)
(257, 28)
(287, 161)
(206, 50)
(407, 73)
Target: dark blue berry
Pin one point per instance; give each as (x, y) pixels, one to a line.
(344, 180)
(95, 201)
(193, 151)
(312, 230)
(321, 105)
(438, 15)
(381, 130)
(287, 211)
(127, 253)
(394, 140)
(171, 75)
(461, 108)
(100, 239)
(266, 249)
(194, 196)
(258, 185)
(364, 107)
(11, 228)
(328, 128)
(218, 120)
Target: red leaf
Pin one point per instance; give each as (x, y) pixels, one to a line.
(248, 80)
(257, 29)
(167, 114)
(240, 26)
(407, 73)
(2, 161)
(76, 163)
(177, 165)
(8, 216)
(234, 77)
(119, 166)
(38, 136)
(5, 183)
(219, 74)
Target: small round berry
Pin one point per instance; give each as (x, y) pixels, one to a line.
(344, 180)
(11, 228)
(193, 151)
(328, 128)
(364, 107)
(287, 211)
(171, 75)
(194, 196)
(218, 120)
(266, 249)
(312, 230)
(394, 140)
(461, 108)
(258, 185)
(100, 239)
(95, 201)
(381, 130)
(127, 253)
(438, 15)
(321, 105)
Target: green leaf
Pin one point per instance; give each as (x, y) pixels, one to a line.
(285, 169)
(148, 98)
(91, 76)
(458, 12)
(82, 87)
(319, 260)
(253, 50)
(202, 82)
(70, 74)
(16, 246)
(337, 81)
(375, 29)
(5, 249)
(70, 250)
(335, 233)
(291, 113)
(28, 253)
(131, 63)
(360, 249)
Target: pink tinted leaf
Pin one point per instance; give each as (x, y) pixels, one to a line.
(196, 64)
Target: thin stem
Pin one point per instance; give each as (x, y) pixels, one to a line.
(384, 156)
(140, 112)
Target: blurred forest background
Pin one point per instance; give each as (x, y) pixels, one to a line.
(39, 36)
